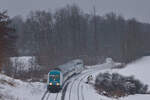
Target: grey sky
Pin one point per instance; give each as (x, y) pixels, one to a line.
(140, 9)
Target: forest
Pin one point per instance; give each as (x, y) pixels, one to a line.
(69, 33)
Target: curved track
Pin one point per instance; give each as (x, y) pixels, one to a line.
(78, 80)
(74, 83)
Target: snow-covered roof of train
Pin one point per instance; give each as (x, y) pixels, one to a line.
(69, 65)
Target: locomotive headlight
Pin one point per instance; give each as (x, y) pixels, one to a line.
(57, 83)
(50, 83)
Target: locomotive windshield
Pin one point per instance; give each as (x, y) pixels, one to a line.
(54, 77)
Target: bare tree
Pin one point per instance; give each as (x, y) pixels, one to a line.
(5, 38)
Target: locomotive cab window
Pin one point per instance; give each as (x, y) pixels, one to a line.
(57, 76)
(54, 77)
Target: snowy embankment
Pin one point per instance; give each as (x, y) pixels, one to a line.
(13, 89)
(140, 69)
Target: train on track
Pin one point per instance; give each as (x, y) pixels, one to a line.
(58, 76)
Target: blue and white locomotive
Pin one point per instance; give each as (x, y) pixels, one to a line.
(54, 81)
(57, 77)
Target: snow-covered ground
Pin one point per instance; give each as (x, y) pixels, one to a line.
(24, 62)
(140, 69)
(12, 89)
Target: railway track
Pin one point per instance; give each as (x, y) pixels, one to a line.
(47, 95)
(76, 80)
(64, 91)
(82, 92)
(44, 95)
(83, 75)
(56, 96)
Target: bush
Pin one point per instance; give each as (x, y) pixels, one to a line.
(115, 85)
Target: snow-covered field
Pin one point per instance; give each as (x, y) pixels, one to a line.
(12, 89)
(140, 69)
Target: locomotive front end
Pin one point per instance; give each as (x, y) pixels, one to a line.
(54, 81)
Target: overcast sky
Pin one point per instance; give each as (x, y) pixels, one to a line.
(140, 9)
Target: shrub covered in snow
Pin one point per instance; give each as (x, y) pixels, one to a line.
(115, 85)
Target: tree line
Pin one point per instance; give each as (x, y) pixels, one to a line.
(69, 33)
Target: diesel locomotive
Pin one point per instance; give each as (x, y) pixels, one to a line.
(57, 76)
